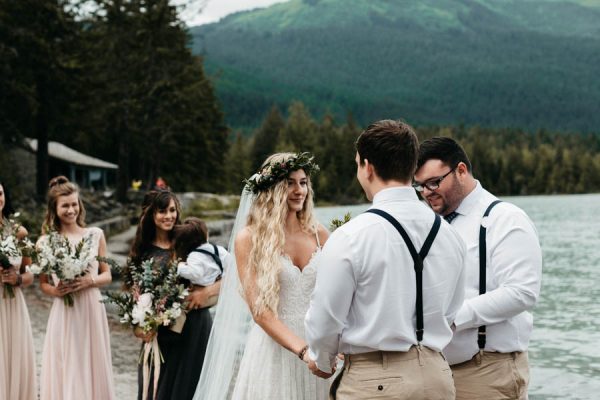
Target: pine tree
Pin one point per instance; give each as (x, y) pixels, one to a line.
(38, 71)
(266, 137)
(154, 97)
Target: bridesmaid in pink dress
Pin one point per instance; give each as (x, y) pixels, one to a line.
(17, 354)
(76, 361)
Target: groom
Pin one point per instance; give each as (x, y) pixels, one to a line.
(389, 283)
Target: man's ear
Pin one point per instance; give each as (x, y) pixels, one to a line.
(462, 169)
(370, 171)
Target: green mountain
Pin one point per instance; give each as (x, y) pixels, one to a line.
(526, 63)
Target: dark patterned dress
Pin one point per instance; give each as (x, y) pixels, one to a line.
(183, 352)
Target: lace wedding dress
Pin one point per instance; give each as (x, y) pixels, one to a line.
(267, 370)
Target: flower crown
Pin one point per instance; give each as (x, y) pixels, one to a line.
(275, 171)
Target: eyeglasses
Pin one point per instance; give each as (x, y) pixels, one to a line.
(431, 184)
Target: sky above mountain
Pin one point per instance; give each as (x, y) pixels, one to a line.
(217, 9)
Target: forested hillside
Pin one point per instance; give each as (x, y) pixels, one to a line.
(507, 161)
(498, 63)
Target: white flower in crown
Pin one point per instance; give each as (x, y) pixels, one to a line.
(257, 177)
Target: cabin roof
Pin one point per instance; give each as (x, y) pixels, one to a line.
(62, 152)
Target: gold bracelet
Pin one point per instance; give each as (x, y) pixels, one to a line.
(93, 281)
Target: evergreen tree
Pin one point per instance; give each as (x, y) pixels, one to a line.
(266, 137)
(154, 97)
(237, 164)
(37, 70)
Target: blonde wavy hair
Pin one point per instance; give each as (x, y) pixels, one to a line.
(266, 221)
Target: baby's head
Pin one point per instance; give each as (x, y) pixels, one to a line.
(189, 235)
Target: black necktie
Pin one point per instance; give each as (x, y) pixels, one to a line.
(450, 217)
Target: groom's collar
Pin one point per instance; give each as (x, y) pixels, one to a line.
(396, 193)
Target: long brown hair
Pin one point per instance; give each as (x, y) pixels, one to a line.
(154, 201)
(60, 186)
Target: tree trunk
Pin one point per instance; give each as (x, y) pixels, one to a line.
(41, 133)
(123, 172)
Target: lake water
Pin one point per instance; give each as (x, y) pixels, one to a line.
(565, 347)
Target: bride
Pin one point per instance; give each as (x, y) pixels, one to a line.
(275, 241)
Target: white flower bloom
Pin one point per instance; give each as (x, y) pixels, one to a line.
(145, 300)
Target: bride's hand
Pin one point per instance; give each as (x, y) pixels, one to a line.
(312, 366)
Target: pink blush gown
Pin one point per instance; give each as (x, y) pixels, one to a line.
(17, 354)
(76, 361)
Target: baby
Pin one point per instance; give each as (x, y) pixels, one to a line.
(204, 261)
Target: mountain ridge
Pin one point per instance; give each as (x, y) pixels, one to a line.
(375, 59)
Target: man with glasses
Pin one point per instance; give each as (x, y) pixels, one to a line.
(488, 353)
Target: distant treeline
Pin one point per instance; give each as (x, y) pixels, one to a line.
(506, 161)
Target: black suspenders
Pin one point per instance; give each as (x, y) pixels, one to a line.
(482, 270)
(215, 255)
(417, 259)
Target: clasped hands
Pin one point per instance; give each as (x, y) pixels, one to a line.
(9, 275)
(65, 287)
(312, 366)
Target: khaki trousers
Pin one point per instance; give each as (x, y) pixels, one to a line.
(492, 376)
(419, 374)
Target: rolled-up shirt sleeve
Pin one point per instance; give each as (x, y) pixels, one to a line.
(516, 264)
(330, 301)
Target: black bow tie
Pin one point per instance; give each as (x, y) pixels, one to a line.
(450, 217)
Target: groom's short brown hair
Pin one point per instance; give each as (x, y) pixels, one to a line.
(391, 147)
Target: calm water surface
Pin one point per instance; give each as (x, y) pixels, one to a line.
(565, 346)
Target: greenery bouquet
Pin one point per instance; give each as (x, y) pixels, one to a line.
(12, 249)
(56, 256)
(155, 299)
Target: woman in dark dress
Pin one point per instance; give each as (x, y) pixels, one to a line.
(155, 239)
(196, 331)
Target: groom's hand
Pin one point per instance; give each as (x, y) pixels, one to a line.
(312, 365)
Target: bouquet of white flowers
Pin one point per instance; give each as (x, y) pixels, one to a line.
(155, 299)
(12, 249)
(57, 256)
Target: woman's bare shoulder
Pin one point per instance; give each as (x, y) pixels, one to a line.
(243, 239)
(323, 234)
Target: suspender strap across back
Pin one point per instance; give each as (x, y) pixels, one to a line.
(481, 334)
(417, 259)
(215, 255)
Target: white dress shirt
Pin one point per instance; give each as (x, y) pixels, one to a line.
(201, 269)
(513, 277)
(364, 296)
